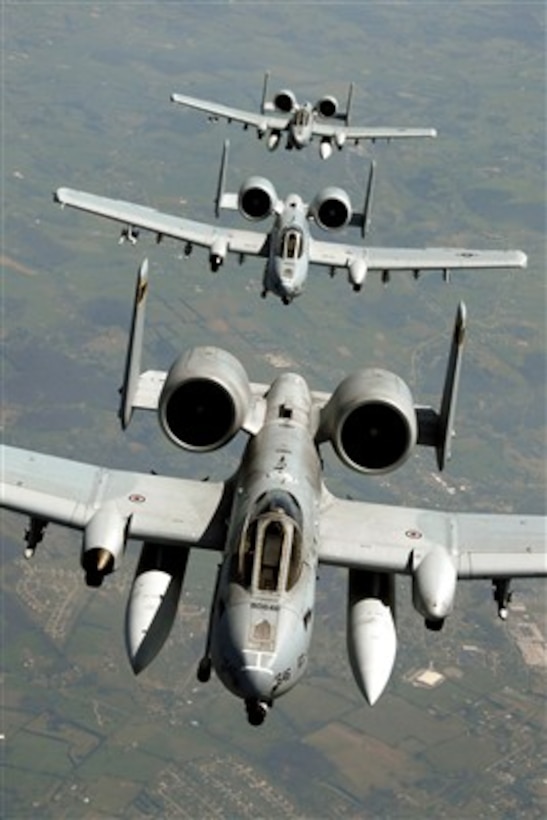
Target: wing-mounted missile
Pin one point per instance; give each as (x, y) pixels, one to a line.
(129, 234)
(153, 601)
(502, 594)
(103, 545)
(205, 399)
(371, 634)
(34, 533)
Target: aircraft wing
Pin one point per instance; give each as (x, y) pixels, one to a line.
(385, 538)
(321, 129)
(176, 227)
(337, 255)
(263, 122)
(156, 508)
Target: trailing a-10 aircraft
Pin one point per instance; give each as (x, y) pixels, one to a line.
(274, 521)
(301, 122)
(288, 247)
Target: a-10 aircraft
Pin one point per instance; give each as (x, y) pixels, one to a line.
(288, 247)
(302, 122)
(274, 521)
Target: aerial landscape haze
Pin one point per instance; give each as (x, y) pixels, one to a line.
(460, 729)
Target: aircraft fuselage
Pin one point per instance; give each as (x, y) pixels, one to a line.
(287, 267)
(300, 127)
(263, 612)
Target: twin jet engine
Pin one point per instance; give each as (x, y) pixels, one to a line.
(286, 102)
(331, 209)
(370, 418)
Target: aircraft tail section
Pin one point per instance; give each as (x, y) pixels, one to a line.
(435, 429)
(223, 199)
(363, 219)
(264, 107)
(346, 115)
(134, 348)
(450, 390)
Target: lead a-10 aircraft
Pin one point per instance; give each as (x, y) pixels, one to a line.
(302, 122)
(274, 521)
(289, 247)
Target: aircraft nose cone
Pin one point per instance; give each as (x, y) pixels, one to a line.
(256, 682)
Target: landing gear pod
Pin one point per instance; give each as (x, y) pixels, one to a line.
(103, 544)
(434, 579)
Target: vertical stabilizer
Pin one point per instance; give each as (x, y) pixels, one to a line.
(450, 390)
(134, 348)
(348, 104)
(362, 219)
(263, 105)
(368, 200)
(222, 199)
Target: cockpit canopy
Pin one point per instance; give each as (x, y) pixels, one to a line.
(302, 117)
(269, 556)
(291, 244)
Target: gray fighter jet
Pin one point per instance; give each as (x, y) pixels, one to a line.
(274, 521)
(288, 247)
(302, 122)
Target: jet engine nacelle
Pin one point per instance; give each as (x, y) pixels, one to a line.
(331, 209)
(257, 198)
(371, 421)
(204, 400)
(285, 101)
(103, 544)
(327, 106)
